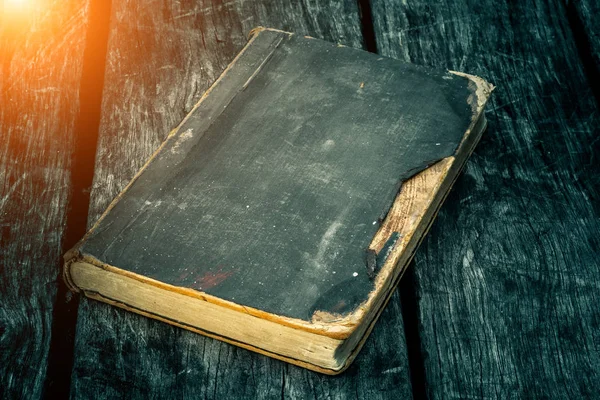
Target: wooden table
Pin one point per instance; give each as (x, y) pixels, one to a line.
(503, 298)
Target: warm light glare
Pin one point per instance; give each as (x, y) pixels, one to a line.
(16, 14)
(15, 3)
(12, 6)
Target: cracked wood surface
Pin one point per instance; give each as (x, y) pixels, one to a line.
(41, 64)
(506, 283)
(161, 58)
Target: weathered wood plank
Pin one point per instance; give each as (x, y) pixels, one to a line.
(42, 51)
(507, 282)
(162, 56)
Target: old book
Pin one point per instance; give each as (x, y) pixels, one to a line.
(281, 213)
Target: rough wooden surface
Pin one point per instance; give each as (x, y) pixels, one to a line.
(161, 58)
(507, 281)
(506, 284)
(41, 52)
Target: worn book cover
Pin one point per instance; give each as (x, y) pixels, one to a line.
(281, 213)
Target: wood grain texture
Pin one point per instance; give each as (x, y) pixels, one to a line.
(162, 56)
(506, 282)
(42, 50)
